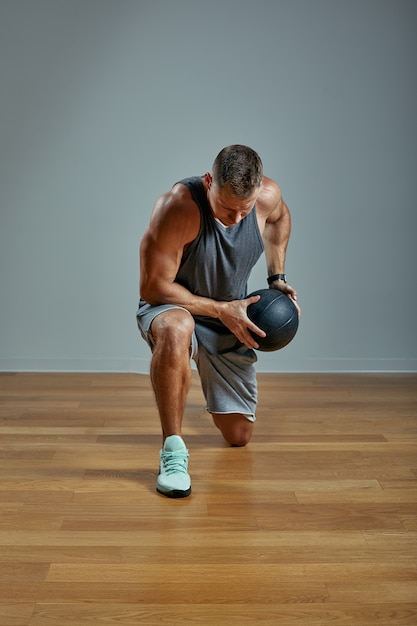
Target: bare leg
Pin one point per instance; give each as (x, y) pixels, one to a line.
(170, 367)
(235, 428)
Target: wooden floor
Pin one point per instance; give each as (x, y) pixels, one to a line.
(313, 523)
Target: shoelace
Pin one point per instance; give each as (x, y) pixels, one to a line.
(175, 461)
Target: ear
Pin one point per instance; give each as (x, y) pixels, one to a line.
(208, 179)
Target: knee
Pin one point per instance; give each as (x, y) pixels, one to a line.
(172, 330)
(235, 428)
(239, 440)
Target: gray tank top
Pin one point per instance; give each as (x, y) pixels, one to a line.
(217, 265)
(219, 261)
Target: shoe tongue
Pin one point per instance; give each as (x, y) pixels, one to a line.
(173, 443)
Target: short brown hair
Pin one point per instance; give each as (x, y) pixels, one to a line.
(239, 167)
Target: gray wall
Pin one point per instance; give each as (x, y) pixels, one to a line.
(106, 103)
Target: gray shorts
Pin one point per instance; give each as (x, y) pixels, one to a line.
(228, 380)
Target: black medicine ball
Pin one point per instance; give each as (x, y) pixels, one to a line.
(275, 313)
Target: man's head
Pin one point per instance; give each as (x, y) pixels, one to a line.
(240, 169)
(234, 185)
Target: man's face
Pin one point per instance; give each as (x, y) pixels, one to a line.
(226, 207)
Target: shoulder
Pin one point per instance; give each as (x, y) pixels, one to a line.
(269, 205)
(270, 193)
(176, 214)
(177, 200)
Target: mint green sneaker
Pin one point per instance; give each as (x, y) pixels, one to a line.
(174, 480)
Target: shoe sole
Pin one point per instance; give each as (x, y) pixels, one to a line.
(175, 493)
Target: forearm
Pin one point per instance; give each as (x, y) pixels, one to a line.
(276, 237)
(165, 292)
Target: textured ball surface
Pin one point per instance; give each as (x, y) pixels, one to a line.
(275, 313)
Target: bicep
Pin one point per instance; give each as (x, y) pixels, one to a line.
(159, 260)
(173, 225)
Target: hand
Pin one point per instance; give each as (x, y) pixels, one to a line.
(234, 315)
(290, 291)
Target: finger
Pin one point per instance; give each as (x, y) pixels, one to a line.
(252, 299)
(246, 337)
(256, 329)
(250, 342)
(297, 306)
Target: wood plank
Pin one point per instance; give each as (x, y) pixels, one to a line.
(270, 614)
(288, 573)
(16, 614)
(168, 591)
(374, 592)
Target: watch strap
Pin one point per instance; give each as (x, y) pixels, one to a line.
(275, 277)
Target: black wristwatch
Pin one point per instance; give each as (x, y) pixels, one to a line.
(275, 277)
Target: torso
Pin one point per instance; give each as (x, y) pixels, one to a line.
(218, 261)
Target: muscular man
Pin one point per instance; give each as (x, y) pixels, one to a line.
(204, 237)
